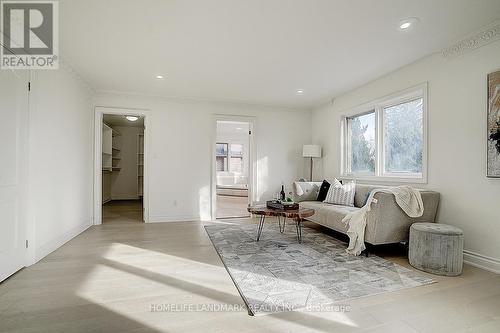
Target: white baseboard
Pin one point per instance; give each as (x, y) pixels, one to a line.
(49, 247)
(482, 261)
(171, 218)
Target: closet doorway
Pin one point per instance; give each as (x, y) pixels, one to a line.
(121, 185)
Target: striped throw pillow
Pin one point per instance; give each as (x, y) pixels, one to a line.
(339, 194)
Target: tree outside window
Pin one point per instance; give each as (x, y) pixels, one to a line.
(387, 141)
(361, 138)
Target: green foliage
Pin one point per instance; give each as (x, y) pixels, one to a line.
(362, 151)
(404, 137)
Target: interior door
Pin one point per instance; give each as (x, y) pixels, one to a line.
(13, 170)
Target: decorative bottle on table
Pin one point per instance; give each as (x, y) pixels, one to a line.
(282, 193)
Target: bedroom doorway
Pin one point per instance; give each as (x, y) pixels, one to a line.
(232, 161)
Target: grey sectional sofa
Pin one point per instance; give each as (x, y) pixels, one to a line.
(386, 222)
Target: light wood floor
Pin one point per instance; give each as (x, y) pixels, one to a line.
(107, 278)
(231, 206)
(122, 211)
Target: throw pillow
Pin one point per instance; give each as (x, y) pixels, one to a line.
(366, 198)
(305, 191)
(340, 194)
(323, 191)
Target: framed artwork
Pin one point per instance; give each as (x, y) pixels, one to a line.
(493, 125)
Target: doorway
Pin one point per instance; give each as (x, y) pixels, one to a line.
(232, 169)
(121, 166)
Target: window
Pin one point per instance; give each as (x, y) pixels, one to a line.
(403, 137)
(221, 156)
(229, 159)
(236, 157)
(385, 140)
(361, 143)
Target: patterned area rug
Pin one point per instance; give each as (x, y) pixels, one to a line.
(278, 274)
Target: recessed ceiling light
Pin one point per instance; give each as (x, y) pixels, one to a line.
(408, 23)
(300, 91)
(239, 128)
(160, 77)
(132, 118)
(405, 25)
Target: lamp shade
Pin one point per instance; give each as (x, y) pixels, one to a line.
(311, 151)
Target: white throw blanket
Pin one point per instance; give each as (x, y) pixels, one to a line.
(406, 197)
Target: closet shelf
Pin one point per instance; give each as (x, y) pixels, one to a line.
(140, 165)
(114, 148)
(116, 158)
(116, 168)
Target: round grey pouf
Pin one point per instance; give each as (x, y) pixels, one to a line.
(436, 248)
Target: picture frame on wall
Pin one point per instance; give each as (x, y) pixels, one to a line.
(493, 152)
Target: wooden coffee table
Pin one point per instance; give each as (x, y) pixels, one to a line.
(297, 215)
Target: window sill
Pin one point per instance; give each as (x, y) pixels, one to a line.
(386, 179)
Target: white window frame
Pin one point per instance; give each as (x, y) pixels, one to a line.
(378, 106)
(227, 166)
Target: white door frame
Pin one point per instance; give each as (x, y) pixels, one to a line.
(252, 161)
(99, 111)
(14, 186)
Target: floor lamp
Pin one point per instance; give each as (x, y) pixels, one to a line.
(311, 151)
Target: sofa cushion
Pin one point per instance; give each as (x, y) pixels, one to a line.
(328, 215)
(305, 191)
(362, 192)
(340, 194)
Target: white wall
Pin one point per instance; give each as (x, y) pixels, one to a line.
(61, 167)
(181, 149)
(457, 140)
(106, 186)
(124, 182)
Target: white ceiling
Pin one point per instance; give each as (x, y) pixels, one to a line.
(256, 51)
(119, 120)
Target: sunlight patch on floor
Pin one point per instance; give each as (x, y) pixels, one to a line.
(127, 254)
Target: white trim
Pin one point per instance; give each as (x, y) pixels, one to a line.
(99, 111)
(377, 106)
(252, 160)
(51, 246)
(485, 36)
(482, 261)
(185, 99)
(383, 179)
